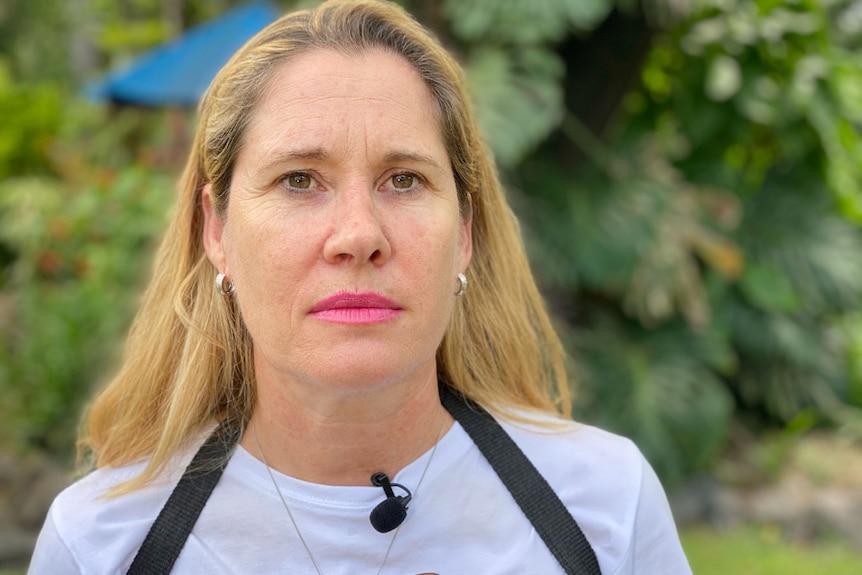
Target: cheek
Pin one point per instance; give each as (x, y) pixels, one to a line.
(265, 253)
(436, 252)
(270, 281)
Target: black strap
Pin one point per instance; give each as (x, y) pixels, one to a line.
(172, 527)
(549, 516)
(552, 521)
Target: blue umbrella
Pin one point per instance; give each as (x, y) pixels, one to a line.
(177, 73)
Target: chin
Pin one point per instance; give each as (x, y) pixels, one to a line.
(352, 365)
(362, 376)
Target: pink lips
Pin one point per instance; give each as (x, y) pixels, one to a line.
(355, 308)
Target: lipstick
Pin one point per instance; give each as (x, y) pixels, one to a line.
(355, 308)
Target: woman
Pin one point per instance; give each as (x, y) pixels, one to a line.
(311, 299)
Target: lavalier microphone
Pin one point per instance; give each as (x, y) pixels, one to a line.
(391, 512)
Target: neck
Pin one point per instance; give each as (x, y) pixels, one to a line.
(337, 438)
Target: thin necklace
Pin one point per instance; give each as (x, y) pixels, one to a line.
(296, 526)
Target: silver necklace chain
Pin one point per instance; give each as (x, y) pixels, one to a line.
(293, 520)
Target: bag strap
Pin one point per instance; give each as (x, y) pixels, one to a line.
(172, 527)
(549, 516)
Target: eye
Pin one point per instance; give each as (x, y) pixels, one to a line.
(403, 181)
(301, 183)
(298, 180)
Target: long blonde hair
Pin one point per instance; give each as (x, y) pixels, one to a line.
(188, 356)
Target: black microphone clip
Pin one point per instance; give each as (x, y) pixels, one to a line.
(391, 512)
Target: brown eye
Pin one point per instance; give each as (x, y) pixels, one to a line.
(298, 180)
(403, 181)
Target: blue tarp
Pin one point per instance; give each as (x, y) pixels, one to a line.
(177, 73)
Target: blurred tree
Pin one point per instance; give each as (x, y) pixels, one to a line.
(761, 99)
(72, 289)
(31, 117)
(690, 190)
(33, 36)
(68, 41)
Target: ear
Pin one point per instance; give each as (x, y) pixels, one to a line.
(212, 232)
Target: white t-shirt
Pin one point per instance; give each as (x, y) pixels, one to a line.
(462, 520)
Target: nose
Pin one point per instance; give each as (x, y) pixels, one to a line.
(358, 235)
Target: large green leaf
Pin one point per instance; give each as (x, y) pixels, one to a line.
(767, 288)
(654, 387)
(586, 235)
(797, 245)
(523, 22)
(518, 97)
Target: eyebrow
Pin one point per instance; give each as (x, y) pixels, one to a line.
(319, 154)
(287, 155)
(400, 156)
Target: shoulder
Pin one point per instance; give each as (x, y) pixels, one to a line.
(597, 474)
(88, 528)
(609, 488)
(561, 447)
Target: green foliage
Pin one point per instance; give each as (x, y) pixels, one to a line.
(81, 253)
(81, 204)
(625, 255)
(77, 249)
(852, 327)
(658, 386)
(518, 97)
(514, 73)
(34, 38)
(31, 119)
(523, 23)
(123, 36)
(783, 70)
(756, 103)
(68, 41)
(705, 257)
(128, 28)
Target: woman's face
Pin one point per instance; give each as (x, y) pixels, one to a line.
(343, 235)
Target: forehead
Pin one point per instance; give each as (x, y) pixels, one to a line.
(321, 96)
